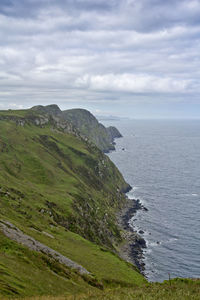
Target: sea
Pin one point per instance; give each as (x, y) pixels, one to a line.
(160, 159)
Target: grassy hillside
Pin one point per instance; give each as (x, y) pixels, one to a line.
(177, 289)
(60, 189)
(64, 192)
(59, 178)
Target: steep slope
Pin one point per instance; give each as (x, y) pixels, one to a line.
(61, 190)
(176, 289)
(52, 155)
(88, 125)
(60, 193)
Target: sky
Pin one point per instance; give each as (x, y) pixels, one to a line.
(132, 58)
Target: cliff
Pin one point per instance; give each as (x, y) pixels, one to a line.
(86, 123)
(59, 195)
(68, 153)
(58, 191)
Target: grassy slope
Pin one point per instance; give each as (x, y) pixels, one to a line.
(57, 171)
(24, 272)
(47, 181)
(179, 289)
(90, 127)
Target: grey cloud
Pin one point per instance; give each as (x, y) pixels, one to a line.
(144, 15)
(95, 50)
(30, 8)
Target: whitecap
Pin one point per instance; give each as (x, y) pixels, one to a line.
(147, 251)
(189, 195)
(130, 194)
(154, 244)
(135, 188)
(172, 240)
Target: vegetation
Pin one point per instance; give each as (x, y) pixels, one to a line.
(184, 289)
(63, 191)
(88, 125)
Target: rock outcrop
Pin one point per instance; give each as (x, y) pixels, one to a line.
(17, 235)
(113, 132)
(79, 122)
(89, 126)
(70, 156)
(51, 109)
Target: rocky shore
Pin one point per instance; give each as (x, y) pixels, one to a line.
(132, 249)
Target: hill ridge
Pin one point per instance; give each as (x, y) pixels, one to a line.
(86, 123)
(59, 189)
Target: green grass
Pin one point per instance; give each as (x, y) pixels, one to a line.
(50, 182)
(10, 112)
(90, 127)
(58, 168)
(24, 272)
(54, 183)
(94, 258)
(180, 289)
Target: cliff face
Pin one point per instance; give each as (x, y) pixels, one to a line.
(85, 122)
(88, 125)
(59, 195)
(87, 166)
(61, 192)
(40, 116)
(113, 132)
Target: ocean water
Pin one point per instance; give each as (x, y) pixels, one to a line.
(161, 161)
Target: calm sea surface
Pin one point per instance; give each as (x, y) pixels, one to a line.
(161, 161)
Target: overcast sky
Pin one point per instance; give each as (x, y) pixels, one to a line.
(136, 58)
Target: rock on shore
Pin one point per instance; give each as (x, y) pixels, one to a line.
(132, 250)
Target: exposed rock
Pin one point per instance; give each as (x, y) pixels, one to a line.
(96, 172)
(141, 232)
(48, 234)
(113, 132)
(17, 235)
(144, 208)
(132, 250)
(79, 122)
(52, 109)
(89, 126)
(126, 189)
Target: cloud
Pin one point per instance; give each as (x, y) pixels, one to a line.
(11, 106)
(140, 83)
(97, 51)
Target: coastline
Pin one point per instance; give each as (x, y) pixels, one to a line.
(132, 249)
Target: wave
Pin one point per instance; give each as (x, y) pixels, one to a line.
(169, 192)
(154, 244)
(189, 195)
(172, 240)
(130, 194)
